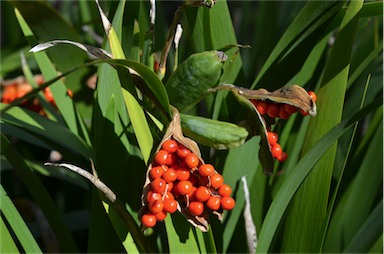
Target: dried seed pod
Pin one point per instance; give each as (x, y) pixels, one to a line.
(292, 95)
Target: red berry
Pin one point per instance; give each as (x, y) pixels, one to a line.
(273, 110)
(170, 175)
(172, 159)
(312, 95)
(225, 190)
(262, 107)
(156, 172)
(290, 109)
(161, 157)
(213, 203)
(196, 208)
(183, 174)
(170, 146)
(168, 195)
(170, 205)
(282, 157)
(191, 160)
(206, 170)
(158, 185)
(148, 220)
(182, 151)
(283, 114)
(184, 187)
(216, 181)
(227, 203)
(152, 196)
(202, 194)
(276, 150)
(160, 216)
(156, 206)
(272, 137)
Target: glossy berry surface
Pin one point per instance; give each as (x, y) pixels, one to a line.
(170, 146)
(272, 137)
(206, 170)
(225, 190)
(202, 194)
(227, 203)
(156, 206)
(191, 160)
(213, 203)
(216, 181)
(184, 187)
(161, 157)
(148, 220)
(196, 208)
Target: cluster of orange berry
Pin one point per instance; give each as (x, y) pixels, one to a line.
(276, 150)
(280, 110)
(179, 178)
(20, 87)
(283, 111)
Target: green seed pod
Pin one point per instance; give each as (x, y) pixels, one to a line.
(189, 83)
(213, 133)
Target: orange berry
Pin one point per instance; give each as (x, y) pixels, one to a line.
(9, 94)
(156, 206)
(312, 95)
(282, 157)
(206, 170)
(169, 186)
(192, 160)
(227, 203)
(272, 137)
(168, 195)
(148, 220)
(172, 159)
(170, 175)
(152, 196)
(156, 172)
(290, 109)
(182, 151)
(161, 157)
(213, 203)
(216, 181)
(276, 150)
(170, 146)
(158, 185)
(196, 208)
(273, 110)
(183, 174)
(202, 194)
(170, 205)
(262, 107)
(160, 216)
(184, 187)
(225, 190)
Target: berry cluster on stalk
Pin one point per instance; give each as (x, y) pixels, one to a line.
(278, 110)
(21, 87)
(179, 179)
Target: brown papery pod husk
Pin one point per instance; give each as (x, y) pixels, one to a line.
(174, 131)
(293, 95)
